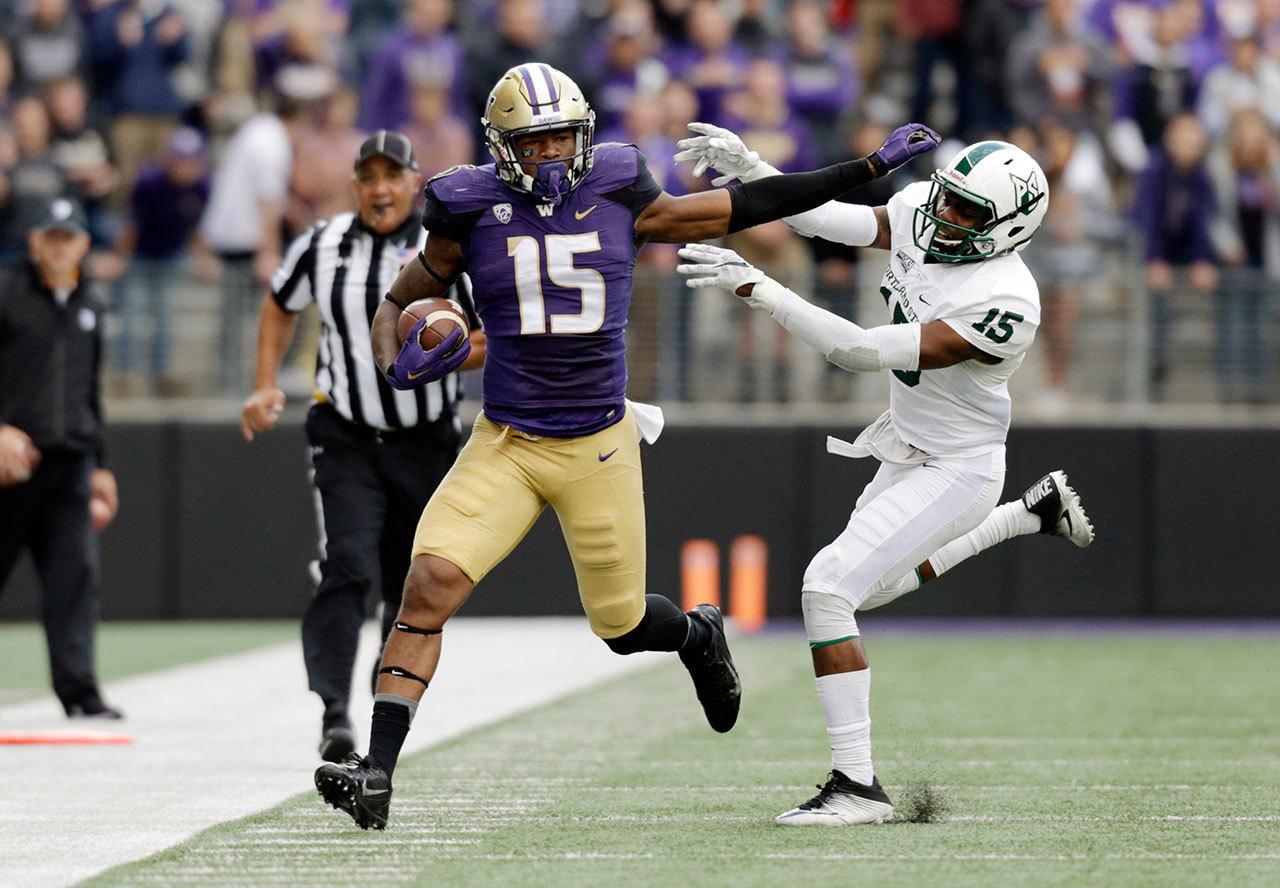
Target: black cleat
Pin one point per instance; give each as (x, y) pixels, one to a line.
(336, 743)
(714, 677)
(1059, 509)
(359, 787)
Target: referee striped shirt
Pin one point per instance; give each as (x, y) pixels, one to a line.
(345, 268)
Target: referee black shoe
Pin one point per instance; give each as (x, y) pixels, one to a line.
(90, 705)
(337, 742)
(714, 677)
(359, 787)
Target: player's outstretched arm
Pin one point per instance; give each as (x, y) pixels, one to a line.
(430, 274)
(840, 341)
(717, 148)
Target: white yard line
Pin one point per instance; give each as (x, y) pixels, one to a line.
(228, 737)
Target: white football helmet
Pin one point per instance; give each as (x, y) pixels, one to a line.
(1002, 179)
(534, 98)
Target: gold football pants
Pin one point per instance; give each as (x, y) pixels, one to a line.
(502, 481)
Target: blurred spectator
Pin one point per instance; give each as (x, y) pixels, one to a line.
(47, 42)
(1247, 231)
(440, 138)
(303, 40)
(1174, 205)
(164, 219)
(6, 79)
(242, 223)
(1057, 68)
(1065, 257)
(709, 61)
(35, 179)
(822, 83)
(876, 40)
(522, 36)
(761, 117)
(679, 109)
(933, 26)
(81, 153)
(1156, 87)
(755, 28)
(371, 21)
(135, 47)
(1248, 80)
(420, 48)
(626, 64)
(989, 30)
(320, 183)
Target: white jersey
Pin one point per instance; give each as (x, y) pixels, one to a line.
(993, 303)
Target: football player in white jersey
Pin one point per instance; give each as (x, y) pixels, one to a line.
(964, 310)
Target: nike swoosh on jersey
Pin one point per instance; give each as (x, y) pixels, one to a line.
(605, 456)
(585, 213)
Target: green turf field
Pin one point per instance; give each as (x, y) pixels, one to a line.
(130, 648)
(1064, 760)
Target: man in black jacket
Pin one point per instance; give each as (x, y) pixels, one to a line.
(54, 491)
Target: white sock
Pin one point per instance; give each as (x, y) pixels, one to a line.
(846, 702)
(1004, 523)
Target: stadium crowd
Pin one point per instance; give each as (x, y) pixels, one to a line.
(201, 134)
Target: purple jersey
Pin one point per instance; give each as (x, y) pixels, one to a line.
(552, 286)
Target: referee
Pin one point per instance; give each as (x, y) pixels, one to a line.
(377, 454)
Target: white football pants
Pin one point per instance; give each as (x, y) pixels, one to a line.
(902, 517)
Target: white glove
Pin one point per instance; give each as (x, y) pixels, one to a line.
(722, 150)
(717, 267)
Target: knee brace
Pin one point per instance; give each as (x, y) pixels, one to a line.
(664, 627)
(828, 619)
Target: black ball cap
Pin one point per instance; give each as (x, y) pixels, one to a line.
(63, 214)
(394, 146)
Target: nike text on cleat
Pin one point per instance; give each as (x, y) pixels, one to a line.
(337, 743)
(1059, 508)
(715, 680)
(841, 802)
(357, 786)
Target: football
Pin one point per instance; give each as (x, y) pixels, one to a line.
(443, 316)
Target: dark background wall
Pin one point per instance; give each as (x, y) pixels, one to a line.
(212, 527)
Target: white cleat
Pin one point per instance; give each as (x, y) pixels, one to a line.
(1059, 508)
(841, 802)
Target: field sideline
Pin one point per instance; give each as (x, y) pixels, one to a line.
(1064, 758)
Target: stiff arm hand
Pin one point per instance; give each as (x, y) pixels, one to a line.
(721, 149)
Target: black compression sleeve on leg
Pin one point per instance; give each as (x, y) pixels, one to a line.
(764, 200)
(663, 627)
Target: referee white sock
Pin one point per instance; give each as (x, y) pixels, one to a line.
(846, 702)
(1004, 523)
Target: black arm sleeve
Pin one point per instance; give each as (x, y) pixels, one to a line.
(642, 191)
(764, 200)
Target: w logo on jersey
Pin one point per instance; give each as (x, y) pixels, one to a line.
(546, 209)
(502, 212)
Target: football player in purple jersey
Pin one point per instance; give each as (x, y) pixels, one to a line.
(548, 234)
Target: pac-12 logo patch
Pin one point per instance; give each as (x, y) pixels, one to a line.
(907, 262)
(502, 212)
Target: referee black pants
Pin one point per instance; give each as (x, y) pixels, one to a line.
(371, 488)
(50, 516)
